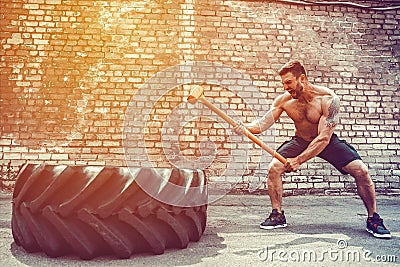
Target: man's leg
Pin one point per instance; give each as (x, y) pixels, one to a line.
(346, 159)
(366, 190)
(288, 149)
(365, 185)
(275, 187)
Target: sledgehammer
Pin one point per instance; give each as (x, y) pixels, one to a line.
(198, 94)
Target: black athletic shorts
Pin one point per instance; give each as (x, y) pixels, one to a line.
(338, 152)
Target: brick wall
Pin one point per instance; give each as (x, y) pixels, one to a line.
(77, 78)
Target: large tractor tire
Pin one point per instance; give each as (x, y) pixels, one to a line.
(92, 211)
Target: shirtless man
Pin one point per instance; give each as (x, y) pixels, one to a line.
(315, 113)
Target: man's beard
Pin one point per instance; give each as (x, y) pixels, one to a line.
(297, 92)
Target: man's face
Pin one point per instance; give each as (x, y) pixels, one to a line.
(292, 85)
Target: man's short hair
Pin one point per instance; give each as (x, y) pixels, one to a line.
(294, 67)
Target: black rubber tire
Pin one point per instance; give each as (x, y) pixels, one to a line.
(92, 211)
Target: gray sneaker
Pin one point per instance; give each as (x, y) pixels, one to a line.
(376, 227)
(275, 220)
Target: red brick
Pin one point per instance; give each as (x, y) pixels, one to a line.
(70, 72)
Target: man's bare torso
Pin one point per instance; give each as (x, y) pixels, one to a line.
(306, 113)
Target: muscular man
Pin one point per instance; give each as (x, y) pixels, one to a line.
(315, 112)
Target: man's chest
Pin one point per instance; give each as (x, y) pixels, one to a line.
(300, 112)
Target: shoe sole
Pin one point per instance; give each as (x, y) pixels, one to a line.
(273, 227)
(378, 235)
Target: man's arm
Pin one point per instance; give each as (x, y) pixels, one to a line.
(326, 126)
(260, 125)
(265, 122)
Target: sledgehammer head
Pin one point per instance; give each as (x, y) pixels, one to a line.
(196, 93)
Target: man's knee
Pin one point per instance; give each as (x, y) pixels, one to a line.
(275, 169)
(359, 171)
(363, 170)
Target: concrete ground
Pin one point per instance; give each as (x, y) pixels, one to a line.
(322, 231)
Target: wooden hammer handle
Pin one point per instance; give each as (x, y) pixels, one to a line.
(250, 135)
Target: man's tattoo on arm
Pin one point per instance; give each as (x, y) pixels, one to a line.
(332, 119)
